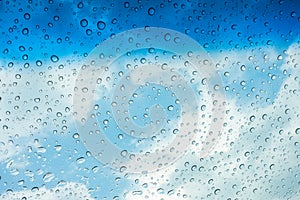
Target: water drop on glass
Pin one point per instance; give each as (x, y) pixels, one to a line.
(151, 11)
(48, 177)
(101, 25)
(25, 31)
(54, 58)
(80, 160)
(83, 23)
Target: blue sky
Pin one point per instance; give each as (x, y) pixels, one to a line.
(231, 25)
(247, 40)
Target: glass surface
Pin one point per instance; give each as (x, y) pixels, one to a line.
(149, 99)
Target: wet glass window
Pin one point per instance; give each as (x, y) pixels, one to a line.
(166, 99)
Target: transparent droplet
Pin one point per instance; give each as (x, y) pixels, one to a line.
(80, 160)
(39, 63)
(27, 16)
(58, 147)
(48, 177)
(123, 153)
(95, 169)
(170, 107)
(126, 5)
(25, 31)
(243, 68)
(84, 23)
(80, 5)
(167, 37)
(18, 76)
(217, 191)
(54, 58)
(151, 11)
(101, 25)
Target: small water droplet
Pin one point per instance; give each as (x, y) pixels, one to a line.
(84, 22)
(48, 177)
(151, 11)
(167, 37)
(124, 153)
(80, 160)
(58, 147)
(170, 107)
(217, 191)
(25, 31)
(95, 169)
(101, 25)
(54, 58)
(27, 16)
(39, 63)
(80, 5)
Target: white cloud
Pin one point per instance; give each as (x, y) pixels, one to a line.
(269, 168)
(23, 123)
(275, 134)
(34, 103)
(70, 190)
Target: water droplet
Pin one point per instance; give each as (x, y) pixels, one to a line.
(95, 169)
(25, 31)
(247, 153)
(114, 21)
(123, 153)
(80, 160)
(18, 76)
(273, 77)
(80, 5)
(48, 177)
(170, 107)
(58, 147)
(41, 150)
(143, 60)
(194, 167)
(39, 63)
(75, 135)
(54, 58)
(167, 37)
(151, 11)
(252, 118)
(170, 192)
(27, 16)
(105, 122)
(14, 172)
(217, 191)
(85, 90)
(160, 190)
(243, 68)
(101, 25)
(56, 18)
(126, 5)
(120, 136)
(123, 168)
(9, 164)
(84, 23)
